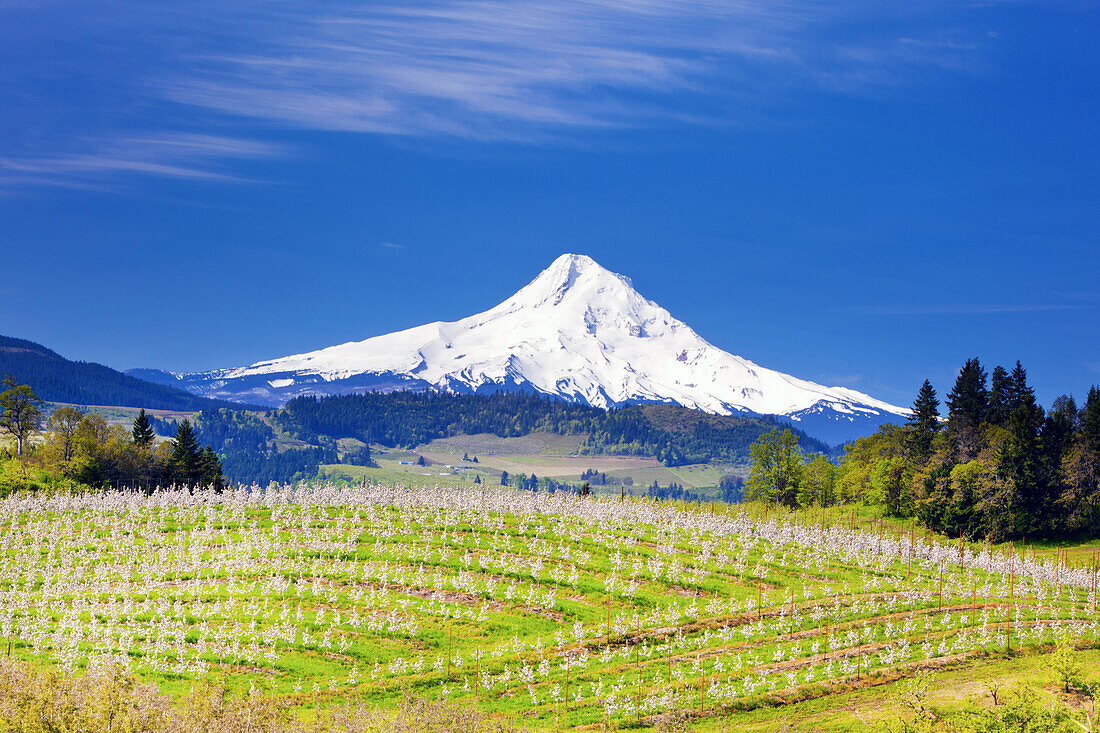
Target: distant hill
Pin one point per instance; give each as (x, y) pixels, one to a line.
(675, 435)
(723, 435)
(57, 379)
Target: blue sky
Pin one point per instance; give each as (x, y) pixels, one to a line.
(859, 193)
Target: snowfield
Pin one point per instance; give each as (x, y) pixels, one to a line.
(577, 331)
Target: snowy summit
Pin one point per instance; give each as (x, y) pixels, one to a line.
(577, 331)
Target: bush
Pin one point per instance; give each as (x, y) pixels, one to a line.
(34, 700)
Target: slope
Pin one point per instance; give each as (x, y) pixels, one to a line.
(578, 332)
(57, 379)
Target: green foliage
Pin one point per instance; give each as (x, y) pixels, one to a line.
(776, 473)
(818, 487)
(731, 488)
(19, 411)
(86, 450)
(186, 453)
(1066, 665)
(1001, 469)
(925, 420)
(111, 700)
(143, 431)
(967, 404)
(674, 435)
(249, 453)
(1018, 709)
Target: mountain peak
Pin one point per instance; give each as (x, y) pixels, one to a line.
(577, 331)
(569, 276)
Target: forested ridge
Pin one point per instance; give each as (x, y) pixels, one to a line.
(57, 379)
(249, 452)
(675, 435)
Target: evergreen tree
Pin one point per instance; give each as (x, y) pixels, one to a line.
(477, 479)
(967, 404)
(1056, 439)
(210, 469)
(143, 431)
(1020, 395)
(1089, 430)
(1000, 389)
(186, 457)
(925, 421)
(503, 478)
(1020, 460)
(1080, 474)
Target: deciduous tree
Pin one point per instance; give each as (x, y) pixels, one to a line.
(776, 471)
(20, 411)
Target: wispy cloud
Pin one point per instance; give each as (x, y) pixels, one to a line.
(391, 245)
(522, 70)
(513, 68)
(173, 155)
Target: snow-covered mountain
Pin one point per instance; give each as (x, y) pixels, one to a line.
(577, 331)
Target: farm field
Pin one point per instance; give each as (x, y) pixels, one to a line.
(543, 454)
(557, 611)
(555, 456)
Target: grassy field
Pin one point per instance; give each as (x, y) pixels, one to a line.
(544, 454)
(120, 415)
(557, 611)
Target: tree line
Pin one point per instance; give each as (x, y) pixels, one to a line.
(996, 466)
(85, 449)
(247, 445)
(676, 436)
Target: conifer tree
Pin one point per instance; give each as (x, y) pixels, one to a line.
(143, 431)
(1080, 473)
(1019, 459)
(210, 469)
(925, 421)
(1000, 389)
(1089, 430)
(967, 404)
(186, 456)
(1019, 393)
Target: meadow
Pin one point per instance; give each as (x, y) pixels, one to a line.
(546, 455)
(552, 610)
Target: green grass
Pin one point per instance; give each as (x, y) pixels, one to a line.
(487, 598)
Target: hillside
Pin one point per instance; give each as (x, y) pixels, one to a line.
(674, 435)
(555, 611)
(57, 379)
